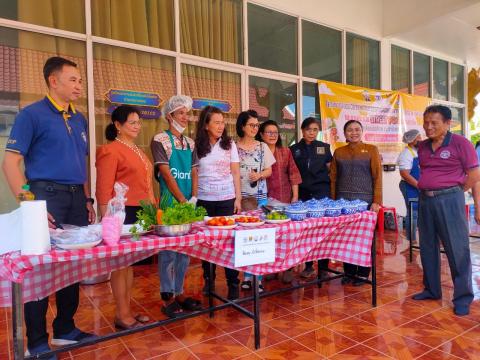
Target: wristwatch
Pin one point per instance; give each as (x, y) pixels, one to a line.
(91, 200)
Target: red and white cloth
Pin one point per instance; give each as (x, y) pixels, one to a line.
(344, 238)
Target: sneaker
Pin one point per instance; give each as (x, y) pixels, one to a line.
(461, 310)
(40, 349)
(73, 337)
(360, 281)
(246, 285)
(308, 273)
(260, 288)
(346, 280)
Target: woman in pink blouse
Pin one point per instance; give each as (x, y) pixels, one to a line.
(282, 185)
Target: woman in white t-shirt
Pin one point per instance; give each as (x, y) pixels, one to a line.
(218, 179)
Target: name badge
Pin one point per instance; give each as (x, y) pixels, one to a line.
(320, 150)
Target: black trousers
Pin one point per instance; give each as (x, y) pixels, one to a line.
(67, 207)
(219, 208)
(320, 193)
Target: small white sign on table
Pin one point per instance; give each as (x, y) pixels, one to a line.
(254, 247)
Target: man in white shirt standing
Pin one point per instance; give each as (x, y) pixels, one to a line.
(410, 172)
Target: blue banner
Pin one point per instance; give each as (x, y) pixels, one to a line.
(145, 112)
(200, 103)
(130, 97)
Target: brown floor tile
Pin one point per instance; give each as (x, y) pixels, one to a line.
(153, 345)
(396, 346)
(424, 333)
(223, 347)
(325, 341)
(360, 352)
(196, 332)
(438, 355)
(473, 333)
(383, 319)
(323, 314)
(356, 329)
(230, 321)
(182, 354)
(366, 297)
(447, 320)
(268, 336)
(349, 306)
(114, 352)
(293, 325)
(288, 350)
(408, 308)
(463, 347)
(103, 331)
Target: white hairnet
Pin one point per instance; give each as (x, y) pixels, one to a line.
(410, 135)
(176, 102)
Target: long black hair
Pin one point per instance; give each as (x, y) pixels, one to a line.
(262, 128)
(120, 115)
(202, 141)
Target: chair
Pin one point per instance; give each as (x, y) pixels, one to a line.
(381, 218)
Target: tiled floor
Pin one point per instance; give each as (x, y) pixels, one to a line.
(333, 322)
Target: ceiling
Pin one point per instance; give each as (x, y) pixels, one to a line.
(447, 27)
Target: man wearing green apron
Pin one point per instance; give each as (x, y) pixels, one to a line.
(176, 165)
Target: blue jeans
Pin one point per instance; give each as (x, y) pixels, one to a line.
(172, 267)
(403, 189)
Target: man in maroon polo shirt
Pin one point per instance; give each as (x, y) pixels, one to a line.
(448, 167)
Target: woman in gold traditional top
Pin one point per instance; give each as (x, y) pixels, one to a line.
(356, 173)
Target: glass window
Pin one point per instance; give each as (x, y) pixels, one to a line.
(311, 104)
(23, 55)
(215, 87)
(322, 52)
(457, 83)
(149, 23)
(400, 69)
(440, 79)
(275, 100)
(129, 72)
(456, 125)
(421, 74)
(363, 61)
(60, 14)
(212, 29)
(272, 40)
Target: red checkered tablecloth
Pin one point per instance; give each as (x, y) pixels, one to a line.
(344, 238)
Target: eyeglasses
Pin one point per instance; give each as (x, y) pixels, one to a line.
(254, 126)
(271, 133)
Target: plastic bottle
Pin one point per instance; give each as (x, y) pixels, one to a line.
(26, 194)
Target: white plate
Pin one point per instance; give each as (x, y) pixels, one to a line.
(126, 230)
(272, 221)
(251, 224)
(78, 246)
(223, 227)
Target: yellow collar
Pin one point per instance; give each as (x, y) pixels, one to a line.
(59, 108)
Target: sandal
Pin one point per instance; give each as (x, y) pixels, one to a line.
(172, 310)
(190, 304)
(246, 285)
(142, 318)
(120, 325)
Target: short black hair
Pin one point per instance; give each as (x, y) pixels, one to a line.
(261, 130)
(53, 64)
(309, 121)
(242, 120)
(440, 109)
(120, 114)
(350, 122)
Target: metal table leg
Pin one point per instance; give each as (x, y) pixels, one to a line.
(374, 270)
(17, 321)
(256, 312)
(410, 230)
(210, 282)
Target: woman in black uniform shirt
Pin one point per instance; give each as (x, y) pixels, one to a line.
(313, 159)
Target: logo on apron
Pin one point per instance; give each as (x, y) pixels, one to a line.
(320, 150)
(179, 174)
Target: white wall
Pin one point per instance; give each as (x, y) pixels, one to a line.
(365, 17)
